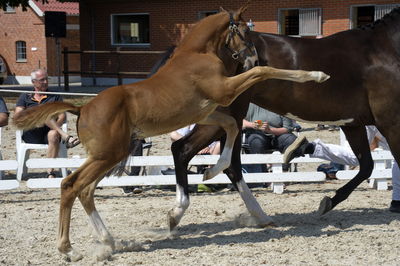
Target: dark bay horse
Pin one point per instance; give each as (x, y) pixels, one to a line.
(186, 90)
(364, 89)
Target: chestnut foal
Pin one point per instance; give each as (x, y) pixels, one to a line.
(186, 90)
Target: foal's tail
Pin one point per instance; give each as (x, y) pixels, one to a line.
(38, 115)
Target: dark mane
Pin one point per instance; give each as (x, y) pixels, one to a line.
(385, 20)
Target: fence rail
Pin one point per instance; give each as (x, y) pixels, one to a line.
(118, 73)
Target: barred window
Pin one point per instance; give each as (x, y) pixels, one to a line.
(300, 22)
(366, 14)
(20, 51)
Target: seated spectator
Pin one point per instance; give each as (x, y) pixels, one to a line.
(4, 114)
(265, 130)
(51, 133)
(345, 156)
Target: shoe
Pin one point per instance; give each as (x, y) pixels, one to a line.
(203, 188)
(319, 127)
(296, 149)
(51, 175)
(71, 142)
(395, 206)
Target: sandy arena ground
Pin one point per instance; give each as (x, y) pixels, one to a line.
(216, 229)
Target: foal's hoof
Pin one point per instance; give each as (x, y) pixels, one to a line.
(73, 256)
(320, 76)
(208, 174)
(325, 205)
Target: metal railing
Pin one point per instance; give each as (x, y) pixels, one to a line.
(118, 73)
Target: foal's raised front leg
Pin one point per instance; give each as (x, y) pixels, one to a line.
(234, 86)
(228, 123)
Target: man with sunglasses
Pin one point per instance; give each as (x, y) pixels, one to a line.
(51, 133)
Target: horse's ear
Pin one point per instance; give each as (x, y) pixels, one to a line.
(221, 9)
(243, 8)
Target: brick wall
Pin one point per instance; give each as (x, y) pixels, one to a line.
(29, 27)
(169, 20)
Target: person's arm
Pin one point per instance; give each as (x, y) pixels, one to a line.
(3, 119)
(374, 143)
(248, 124)
(276, 131)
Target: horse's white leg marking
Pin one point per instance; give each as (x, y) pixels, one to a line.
(252, 205)
(101, 229)
(182, 203)
(228, 123)
(223, 162)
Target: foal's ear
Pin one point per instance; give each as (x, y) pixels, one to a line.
(243, 8)
(221, 9)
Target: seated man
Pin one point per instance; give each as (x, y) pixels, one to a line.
(51, 133)
(344, 155)
(265, 130)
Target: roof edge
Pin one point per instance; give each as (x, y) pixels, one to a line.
(35, 8)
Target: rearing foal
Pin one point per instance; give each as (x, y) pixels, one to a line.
(186, 90)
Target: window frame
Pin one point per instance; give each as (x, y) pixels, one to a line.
(352, 20)
(281, 21)
(18, 53)
(113, 34)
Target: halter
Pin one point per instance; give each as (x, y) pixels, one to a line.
(234, 30)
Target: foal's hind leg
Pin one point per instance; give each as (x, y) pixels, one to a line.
(71, 187)
(86, 197)
(228, 123)
(358, 141)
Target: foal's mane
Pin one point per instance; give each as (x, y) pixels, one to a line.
(387, 20)
(203, 31)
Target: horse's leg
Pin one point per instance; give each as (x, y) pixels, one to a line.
(233, 86)
(228, 123)
(234, 172)
(358, 141)
(183, 151)
(86, 197)
(71, 187)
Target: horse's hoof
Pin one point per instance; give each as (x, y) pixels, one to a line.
(172, 223)
(74, 256)
(267, 224)
(325, 205)
(319, 76)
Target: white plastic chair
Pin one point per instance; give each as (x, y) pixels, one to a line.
(23, 150)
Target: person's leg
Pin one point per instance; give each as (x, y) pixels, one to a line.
(395, 204)
(258, 144)
(334, 153)
(53, 139)
(69, 141)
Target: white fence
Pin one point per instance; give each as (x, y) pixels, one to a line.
(378, 178)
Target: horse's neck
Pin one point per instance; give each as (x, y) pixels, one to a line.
(205, 35)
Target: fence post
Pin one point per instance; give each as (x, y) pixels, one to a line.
(66, 74)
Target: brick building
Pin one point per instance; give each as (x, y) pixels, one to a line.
(24, 46)
(154, 25)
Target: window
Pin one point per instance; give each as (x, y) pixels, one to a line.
(363, 15)
(130, 29)
(20, 51)
(300, 22)
(203, 14)
(9, 9)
